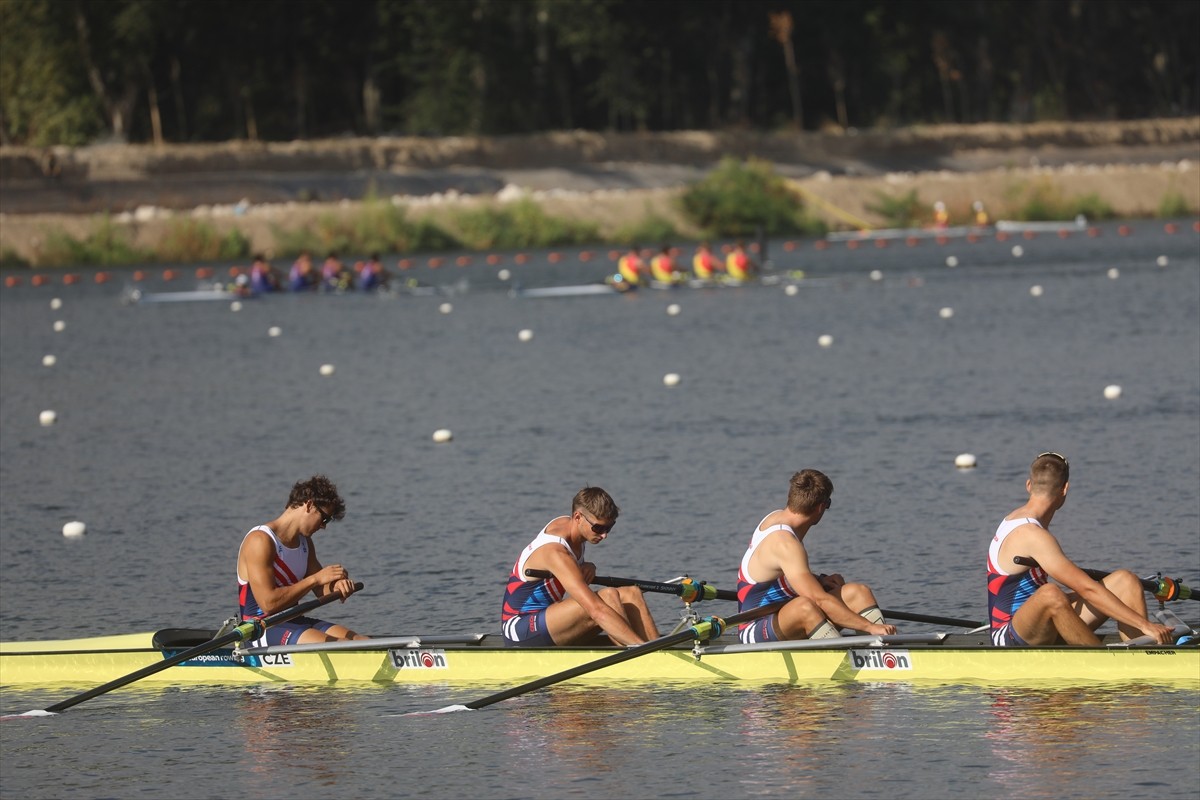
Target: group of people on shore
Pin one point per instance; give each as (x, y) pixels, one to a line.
(304, 276)
(637, 267)
(277, 565)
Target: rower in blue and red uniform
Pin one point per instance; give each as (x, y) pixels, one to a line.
(277, 566)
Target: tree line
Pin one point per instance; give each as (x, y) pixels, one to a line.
(80, 71)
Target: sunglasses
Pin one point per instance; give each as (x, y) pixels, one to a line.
(596, 526)
(325, 518)
(1059, 456)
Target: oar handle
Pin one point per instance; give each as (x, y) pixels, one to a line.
(1164, 589)
(689, 591)
(932, 620)
(249, 629)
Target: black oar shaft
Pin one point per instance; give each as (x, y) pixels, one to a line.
(726, 594)
(661, 643)
(932, 620)
(241, 633)
(646, 586)
(1163, 589)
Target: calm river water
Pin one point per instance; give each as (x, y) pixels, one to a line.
(180, 426)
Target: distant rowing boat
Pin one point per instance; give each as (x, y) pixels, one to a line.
(605, 289)
(1080, 223)
(193, 296)
(482, 658)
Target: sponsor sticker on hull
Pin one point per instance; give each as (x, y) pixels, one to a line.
(875, 660)
(418, 659)
(227, 658)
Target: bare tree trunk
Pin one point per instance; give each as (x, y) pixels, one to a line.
(180, 108)
(119, 109)
(155, 114)
(251, 119)
(372, 105)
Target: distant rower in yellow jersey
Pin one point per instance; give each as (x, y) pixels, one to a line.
(662, 267)
(705, 265)
(738, 263)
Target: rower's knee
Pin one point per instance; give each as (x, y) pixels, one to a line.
(857, 595)
(1052, 597)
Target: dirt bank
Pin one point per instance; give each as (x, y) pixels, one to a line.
(609, 179)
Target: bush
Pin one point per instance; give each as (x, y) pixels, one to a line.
(738, 199)
(106, 245)
(518, 225)
(190, 240)
(905, 211)
(1173, 204)
(650, 228)
(10, 258)
(1043, 202)
(378, 227)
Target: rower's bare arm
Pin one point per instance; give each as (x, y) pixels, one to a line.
(571, 577)
(1046, 551)
(334, 578)
(256, 560)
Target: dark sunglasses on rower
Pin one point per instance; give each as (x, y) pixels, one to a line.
(596, 526)
(325, 518)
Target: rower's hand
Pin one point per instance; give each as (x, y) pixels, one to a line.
(344, 587)
(332, 574)
(831, 583)
(1163, 634)
(881, 630)
(589, 571)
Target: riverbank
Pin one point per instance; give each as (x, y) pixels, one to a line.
(611, 181)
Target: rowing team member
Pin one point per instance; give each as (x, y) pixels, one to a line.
(278, 565)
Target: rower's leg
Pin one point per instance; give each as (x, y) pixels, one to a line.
(636, 613)
(1048, 616)
(861, 600)
(1128, 589)
(801, 618)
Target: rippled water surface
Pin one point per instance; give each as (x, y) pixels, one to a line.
(180, 426)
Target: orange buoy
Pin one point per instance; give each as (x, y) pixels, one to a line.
(168, 275)
(11, 281)
(493, 259)
(235, 271)
(70, 280)
(1093, 232)
(1063, 233)
(789, 246)
(100, 277)
(851, 244)
(1029, 234)
(942, 240)
(1124, 230)
(520, 258)
(881, 243)
(912, 241)
(1001, 236)
(1170, 227)
(204, 273)
(463, 261)
(39, 280)
(404, 263)
(820, 244)
(554, 258)
(435, 262)
(586, 255)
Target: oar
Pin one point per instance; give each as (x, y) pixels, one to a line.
(689, 590)
(1165, 589)
(250, 629)
(709, 627)
(710, 592)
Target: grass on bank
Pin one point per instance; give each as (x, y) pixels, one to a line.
(734, 201)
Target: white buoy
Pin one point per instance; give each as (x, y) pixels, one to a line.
(59, 326)
(503, 275)
(876, 275)
(791, 289)
(525, 334)
(946, 313)
(673, 309)
(442, 435)
(825, 340)
(48, 417)
(951, 261)
(236, 305)
(274, 331)
(327, 369)
(1018, 251)
(1035, 290)
(445, 308)
(74, 529)
(1114, 273)
(964, 461)
(671, 379)
(49, 360)
(1112, 392)
(1162, 261)
(56, 303)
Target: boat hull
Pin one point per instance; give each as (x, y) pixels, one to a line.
(483, 659)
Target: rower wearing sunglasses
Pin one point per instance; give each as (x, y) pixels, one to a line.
(277, 566)
(564, 610)
(1024, 607)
